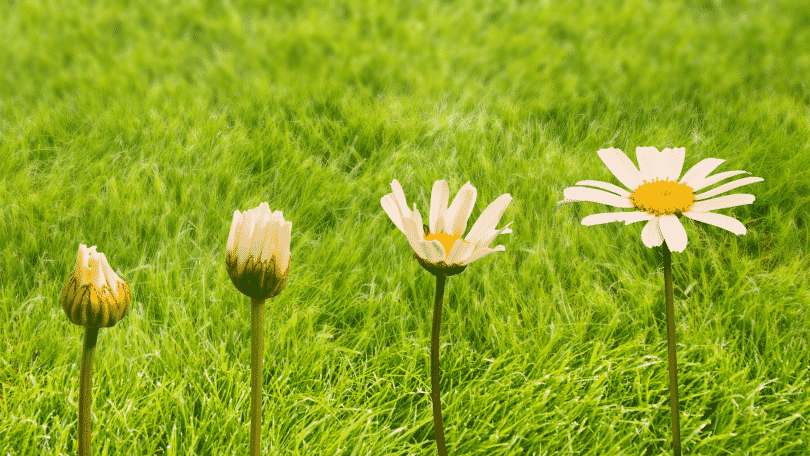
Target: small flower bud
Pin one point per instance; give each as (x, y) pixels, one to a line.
(94, 296)
(258, 252)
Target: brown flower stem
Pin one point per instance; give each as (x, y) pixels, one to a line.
(256, 357)
(86, 390)
(673, 362)
(438, 425)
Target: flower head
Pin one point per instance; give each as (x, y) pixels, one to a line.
(258, 252)
(661, 196)
(439, 247)
(94, 296)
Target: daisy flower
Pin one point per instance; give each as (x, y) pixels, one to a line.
(257, 258)
(440, 249)
(440, 244)
(94, 297)
(661, 196)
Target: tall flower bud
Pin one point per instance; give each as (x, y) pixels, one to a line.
(258, 252)
(94, 296)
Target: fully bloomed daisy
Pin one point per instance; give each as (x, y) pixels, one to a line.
(661, 196)
(440, 244)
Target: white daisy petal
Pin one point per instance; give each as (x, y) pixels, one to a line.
(413, 232)
(458, 214)
(650, 163)
(605, 186)
(485, 241)
(399, 198)
(596, 196)
(460, 251)
(389, 204)
(265, 244)
(729, 186)
(626, 217)
(718, 220)
(431, 251)
(673, 232)
(620, 165)
(481, 252)
(438, 205)
(417, 218)
(651, 234)
(674, 162)
(232, 235)
(244, 237)
(696, 174)
(284, 239)
(711, 180)
(722, 202)
(489, 219)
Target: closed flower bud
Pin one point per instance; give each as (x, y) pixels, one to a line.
(94, 296)
(258, 252)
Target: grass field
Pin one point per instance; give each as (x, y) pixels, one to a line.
(141, 128)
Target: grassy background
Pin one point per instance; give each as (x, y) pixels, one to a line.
(140, 129)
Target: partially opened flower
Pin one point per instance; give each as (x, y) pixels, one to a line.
(661, 197)
(440, 249)
(257, 258)
(94, 296)
(439, 246)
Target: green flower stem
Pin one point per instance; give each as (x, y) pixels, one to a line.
(86, 390)
(438, 425)
(673, 361)
(256, 357)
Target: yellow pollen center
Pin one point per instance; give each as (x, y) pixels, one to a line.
(663, 197)
(447, 240)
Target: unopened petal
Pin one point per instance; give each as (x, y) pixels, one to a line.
(285, 236)
(232, 234)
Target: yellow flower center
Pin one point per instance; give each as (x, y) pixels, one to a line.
(447, 240)
(663, 197)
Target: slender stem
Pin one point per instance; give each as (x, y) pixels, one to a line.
(673, 360)
(256, 356)
(438, 425)
(86, 390)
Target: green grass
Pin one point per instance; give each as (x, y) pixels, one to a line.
(140, 129)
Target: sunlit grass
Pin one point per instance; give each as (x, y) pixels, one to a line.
(141, 129)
